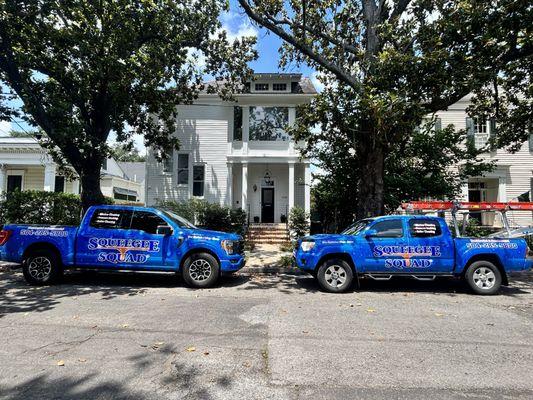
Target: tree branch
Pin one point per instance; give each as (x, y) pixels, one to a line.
(401, 6)
(308, 51)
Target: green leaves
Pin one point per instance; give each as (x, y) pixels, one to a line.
(84, 68)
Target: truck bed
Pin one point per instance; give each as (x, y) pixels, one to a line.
(62, 237)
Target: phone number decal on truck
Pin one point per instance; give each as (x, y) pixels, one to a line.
(59, 232)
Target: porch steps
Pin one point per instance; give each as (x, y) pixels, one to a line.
(268, 234)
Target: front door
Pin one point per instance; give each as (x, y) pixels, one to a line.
(267, 205)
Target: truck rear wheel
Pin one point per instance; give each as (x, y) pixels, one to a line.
(201, 270)
(483, 277)
(42, 267)
(335, 276)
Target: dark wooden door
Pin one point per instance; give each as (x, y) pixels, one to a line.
(267, 205)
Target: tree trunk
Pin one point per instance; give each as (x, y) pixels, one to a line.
(91, 195)
(370, 191)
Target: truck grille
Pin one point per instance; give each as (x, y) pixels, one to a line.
(239, 247)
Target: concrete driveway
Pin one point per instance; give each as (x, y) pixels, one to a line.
(262, 336)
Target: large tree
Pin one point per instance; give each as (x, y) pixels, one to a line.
(400, 60)
(85, 68)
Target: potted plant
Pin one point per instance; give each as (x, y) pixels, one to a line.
(283, 218)
(256, 219)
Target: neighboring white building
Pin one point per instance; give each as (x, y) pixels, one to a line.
(25, 165)
(511, 180)
(135, 171)
(238, 153)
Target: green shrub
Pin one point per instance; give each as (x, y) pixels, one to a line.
(298, 222)
(39, 207)
(209, 215)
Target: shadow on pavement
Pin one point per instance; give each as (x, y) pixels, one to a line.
(16, 296)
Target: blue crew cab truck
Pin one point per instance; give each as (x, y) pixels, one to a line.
(123, 238)
(418, 246)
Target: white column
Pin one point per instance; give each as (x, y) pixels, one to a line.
(291, 186)
(464, 191)
(229, 196)
(307, 188)
(49, 177)
(76, 186)
(3, 178)
(244, 186)
(502, 189)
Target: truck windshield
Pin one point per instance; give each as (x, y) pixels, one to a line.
(182, 222)
(356, 227)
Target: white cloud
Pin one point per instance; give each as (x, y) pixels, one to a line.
(315, 78)
(237, 26)
(5, 127)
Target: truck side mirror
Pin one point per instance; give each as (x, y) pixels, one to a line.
(164, 230)
(371, 233)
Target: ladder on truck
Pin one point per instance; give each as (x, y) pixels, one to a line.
(456, 207)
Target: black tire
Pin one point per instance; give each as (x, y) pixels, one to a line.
(42, 267)
(483, 277)
(335, 276)
(201, 270)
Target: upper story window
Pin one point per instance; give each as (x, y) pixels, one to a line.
(269, 123)
(478, 131)
(183, 169)
(279, 87)
(237, 123)
(104, 164)
(261, 87)
(480, 125)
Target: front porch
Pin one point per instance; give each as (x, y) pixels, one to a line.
(268, 191)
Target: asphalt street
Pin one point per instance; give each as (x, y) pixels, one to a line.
(262, 336)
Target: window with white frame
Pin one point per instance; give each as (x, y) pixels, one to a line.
(480, 132)
(279, 87)
(198, 180)
(183, 169)
(261, 87)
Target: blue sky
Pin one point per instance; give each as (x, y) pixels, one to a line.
(237, 24)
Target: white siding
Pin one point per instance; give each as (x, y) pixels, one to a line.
(203, 133)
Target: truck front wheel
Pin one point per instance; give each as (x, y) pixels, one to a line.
(335, 276)
(483, 277)
(42, 267)
(201, 270)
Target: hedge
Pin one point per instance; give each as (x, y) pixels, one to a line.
(39, 207)
(209, 215)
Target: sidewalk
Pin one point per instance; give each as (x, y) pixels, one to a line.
(267, 258)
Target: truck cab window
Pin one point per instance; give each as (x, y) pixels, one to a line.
(388, 228)
(147, 221)
(111, 219)
(424, 228)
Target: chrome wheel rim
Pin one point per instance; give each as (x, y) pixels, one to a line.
(335, 276)
(40, 268)
(200, 270)
(484, 278)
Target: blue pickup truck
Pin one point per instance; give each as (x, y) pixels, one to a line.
(123, 238)
(418, 246)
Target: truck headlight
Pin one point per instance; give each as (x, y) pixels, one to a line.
(307, 245)
(228, 246)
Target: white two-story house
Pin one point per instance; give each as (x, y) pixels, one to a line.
(239, 153)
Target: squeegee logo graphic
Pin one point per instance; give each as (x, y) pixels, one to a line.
(122, 249)
(407, 253)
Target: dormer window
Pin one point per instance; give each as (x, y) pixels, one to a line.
(261, 87)
(279, 87)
